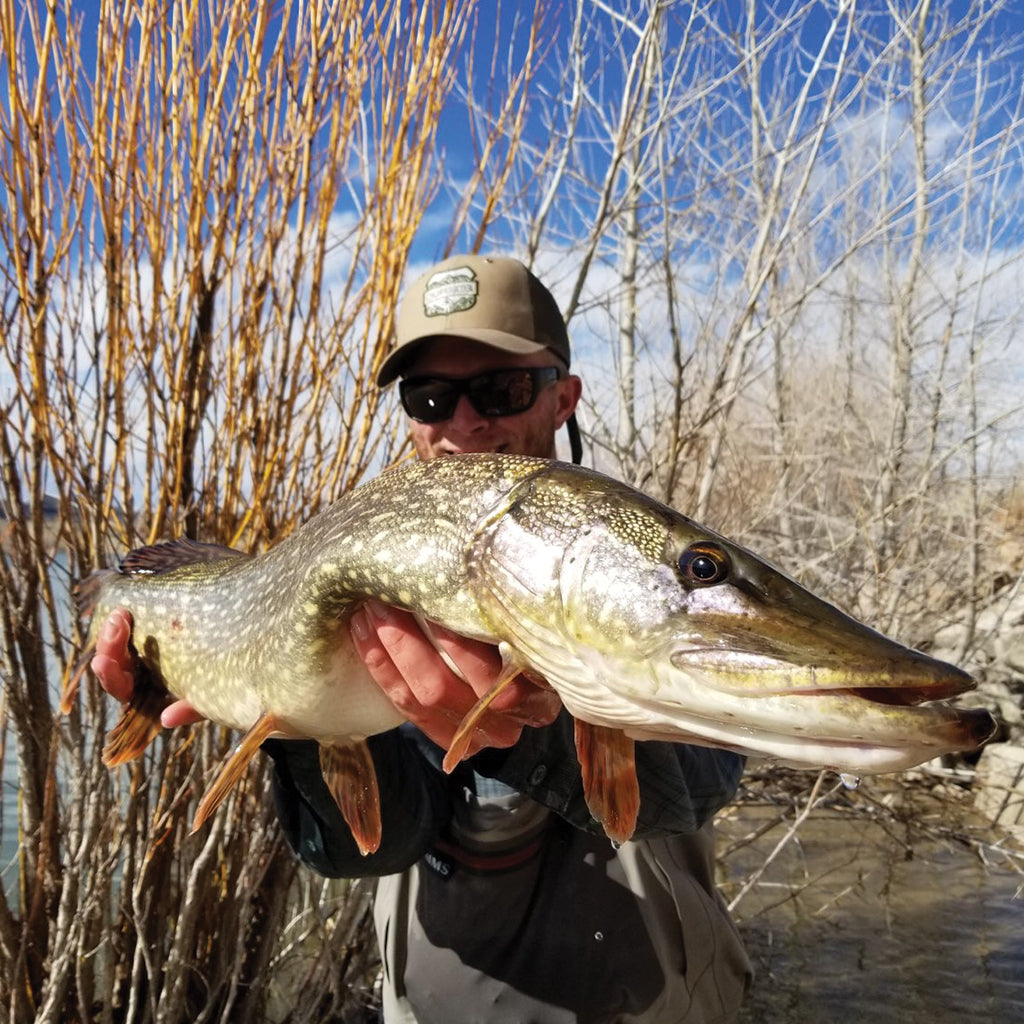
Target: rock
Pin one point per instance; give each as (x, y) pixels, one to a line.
(999, 786)
(1010, 650)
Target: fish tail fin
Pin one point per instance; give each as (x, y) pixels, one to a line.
(352, 779)
(234, 768)
(610, 785)
(138, 724)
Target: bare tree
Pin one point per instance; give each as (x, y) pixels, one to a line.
(205, 219)
(759, 174)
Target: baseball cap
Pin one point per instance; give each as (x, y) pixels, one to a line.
(491, 299)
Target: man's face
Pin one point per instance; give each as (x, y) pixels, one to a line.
(527, 433)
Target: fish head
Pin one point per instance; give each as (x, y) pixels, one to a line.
(752, 629)
(637, 614)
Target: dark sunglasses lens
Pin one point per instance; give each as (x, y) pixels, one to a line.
(498, 393)
(429, 401)
(503, 393)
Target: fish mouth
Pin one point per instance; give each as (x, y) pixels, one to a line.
(898, 676)
(890, 695)
(904, 696)
(861, 712)
(860, 730)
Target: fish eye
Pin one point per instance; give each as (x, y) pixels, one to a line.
(704, 564)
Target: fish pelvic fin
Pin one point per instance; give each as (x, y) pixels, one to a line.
(73, 679)
(610, 784)
(234, 768)
(352, 779)
(464, 733)
(138, 724)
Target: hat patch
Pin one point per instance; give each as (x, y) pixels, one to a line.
(450, 291)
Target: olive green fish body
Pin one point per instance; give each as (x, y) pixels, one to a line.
(642, 620)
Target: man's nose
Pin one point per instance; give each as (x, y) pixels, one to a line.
(465, 417)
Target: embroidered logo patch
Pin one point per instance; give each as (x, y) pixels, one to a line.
(450, 291)
(438, 864)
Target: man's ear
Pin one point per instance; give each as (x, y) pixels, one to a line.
(569, 391)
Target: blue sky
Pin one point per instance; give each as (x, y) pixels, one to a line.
(710, 159)
(782, 63)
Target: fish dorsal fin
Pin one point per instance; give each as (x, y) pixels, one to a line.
(352, 779)
(154, 559)
(610, 784)
(234, 768)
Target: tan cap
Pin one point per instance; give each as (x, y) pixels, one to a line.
(490, 299)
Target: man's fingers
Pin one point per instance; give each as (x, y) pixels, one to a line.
(409, 661)
(478, 662)
(408, 668)
(421, 683)
(540, 706)
(115, 632)
(113, 677)
(112, 664)
(180, 712)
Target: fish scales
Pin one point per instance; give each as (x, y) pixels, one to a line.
(642, 620)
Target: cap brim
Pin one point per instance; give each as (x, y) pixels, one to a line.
(395, 363)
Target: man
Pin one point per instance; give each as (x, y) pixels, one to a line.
(499, 898)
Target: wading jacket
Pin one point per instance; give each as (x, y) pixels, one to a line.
(499, 898)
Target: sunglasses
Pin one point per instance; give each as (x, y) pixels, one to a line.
(495, 393)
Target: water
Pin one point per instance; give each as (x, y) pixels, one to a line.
(9, 774)
(867, 920)
(9, 821)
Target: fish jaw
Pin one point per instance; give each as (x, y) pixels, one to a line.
(845, 730)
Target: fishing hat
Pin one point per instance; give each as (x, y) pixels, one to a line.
(494, 300)
(491, 299)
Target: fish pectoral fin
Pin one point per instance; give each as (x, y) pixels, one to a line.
(464, 733)
(610, 784)
(234, 768)
(352, 779)
(138, 725)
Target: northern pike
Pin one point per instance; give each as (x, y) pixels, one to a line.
(646, 624)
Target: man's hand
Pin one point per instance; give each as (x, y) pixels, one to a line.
(114, 666)
(420, 684)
